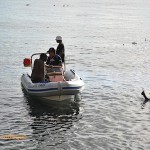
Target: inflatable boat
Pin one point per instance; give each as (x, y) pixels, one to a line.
(59, 84)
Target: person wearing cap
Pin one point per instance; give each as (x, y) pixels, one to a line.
(54, 61)
(60, 48)
(38, 71)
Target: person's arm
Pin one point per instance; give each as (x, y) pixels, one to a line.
(47, 66)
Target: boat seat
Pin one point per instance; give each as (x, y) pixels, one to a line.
(56, 78)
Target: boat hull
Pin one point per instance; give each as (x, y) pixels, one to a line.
(70, 86)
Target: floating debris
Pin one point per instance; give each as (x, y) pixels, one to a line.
(146, 98)
(27, 4)
(65, 5)
(134, 43)
(13, 137)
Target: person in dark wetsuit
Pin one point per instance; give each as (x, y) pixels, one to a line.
(60, 48)
(37, 74)
(54, 61)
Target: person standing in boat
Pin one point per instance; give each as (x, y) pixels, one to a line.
(54, 61)
(38, 71)
(60, 48)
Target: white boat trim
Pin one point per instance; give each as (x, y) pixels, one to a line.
(71, 86)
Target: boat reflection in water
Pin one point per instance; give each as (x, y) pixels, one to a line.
(66, 107)
(52, 120)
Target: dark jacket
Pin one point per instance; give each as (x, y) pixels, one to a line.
(61, 51)
(38, 71)
(56, 61)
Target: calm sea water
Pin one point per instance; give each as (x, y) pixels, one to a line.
(98, 36)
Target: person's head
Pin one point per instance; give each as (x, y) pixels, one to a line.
(52, 52)
(58, 39)
(43, 57)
